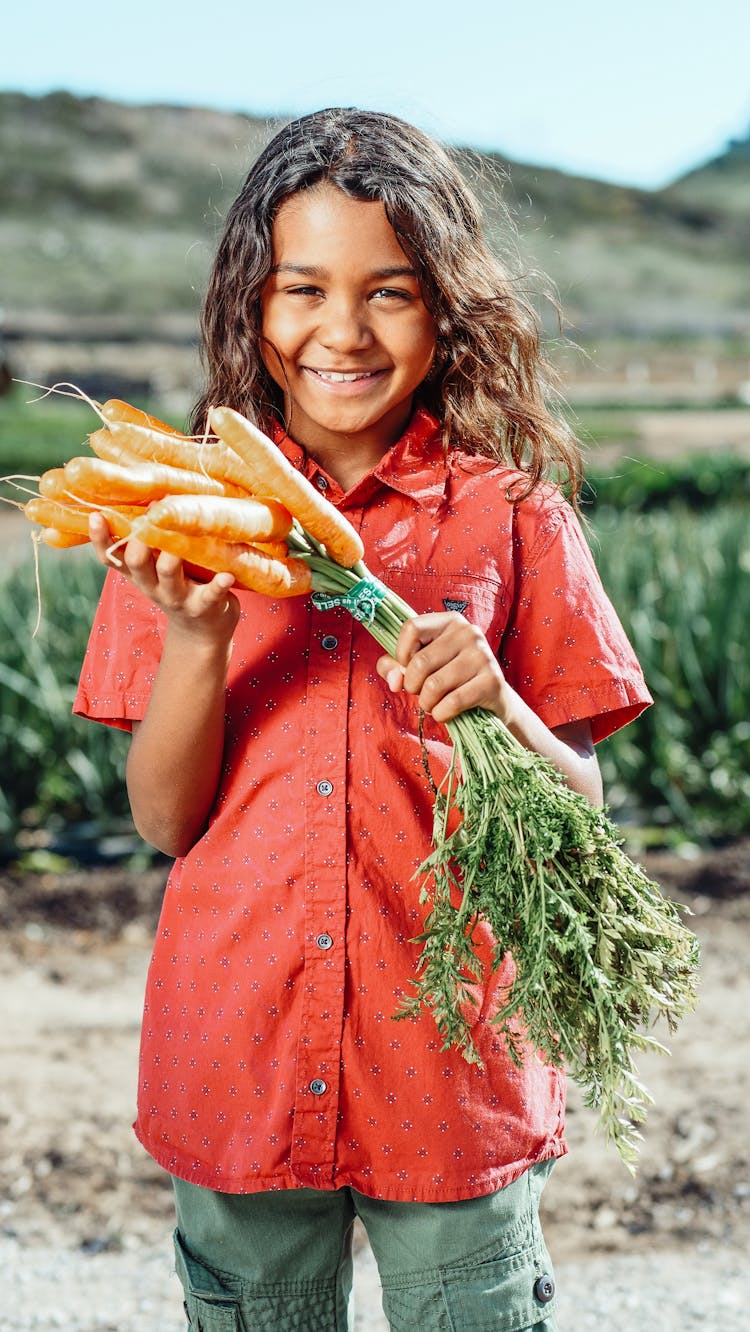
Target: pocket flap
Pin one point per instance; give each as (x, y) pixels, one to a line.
(209, 1305)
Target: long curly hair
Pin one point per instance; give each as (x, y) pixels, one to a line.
(490, 386)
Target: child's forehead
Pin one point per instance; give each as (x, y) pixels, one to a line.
(324, 220)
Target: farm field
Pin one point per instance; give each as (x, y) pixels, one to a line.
(110, 216)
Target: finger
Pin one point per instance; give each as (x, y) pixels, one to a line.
(421, 630)
(101, 537)
(169, 568)
(441, 645)
(215, 591)
(468, 694)
(390, 671)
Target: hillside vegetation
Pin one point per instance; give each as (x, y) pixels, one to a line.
(112, 210)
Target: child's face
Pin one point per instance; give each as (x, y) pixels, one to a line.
(343, 300)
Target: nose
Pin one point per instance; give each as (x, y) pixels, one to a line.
(344, 326)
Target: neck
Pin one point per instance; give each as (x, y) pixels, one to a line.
(348, 468)
(349, 457)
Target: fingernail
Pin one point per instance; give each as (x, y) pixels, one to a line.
(394, 679)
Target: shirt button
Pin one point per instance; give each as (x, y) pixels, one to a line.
(318, 1086)
(324, 788)
(324, 941)
(544, 1288)
(329, 642)
(321, 481)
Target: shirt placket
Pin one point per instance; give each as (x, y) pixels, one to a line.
(319, 1044)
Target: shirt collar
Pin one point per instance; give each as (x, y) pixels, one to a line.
(415, 465)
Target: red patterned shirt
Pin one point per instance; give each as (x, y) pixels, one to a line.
(270, 1058)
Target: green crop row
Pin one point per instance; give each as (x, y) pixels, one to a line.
(681, 583)
(700, 481)
(35, 436)
(679, 580)
(57, 770)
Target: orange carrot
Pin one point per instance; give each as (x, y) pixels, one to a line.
(251, 568)
(216, 515)
(104, 444)
(74, 519)
(211, 456)
(274, 477)
(277, 550)
(117, 410)
(108, 483)
(54, 536)
(52, 484)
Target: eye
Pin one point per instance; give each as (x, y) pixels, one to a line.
(303, 291)
(392, 293)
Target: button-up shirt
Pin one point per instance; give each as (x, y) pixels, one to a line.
(270, 1055)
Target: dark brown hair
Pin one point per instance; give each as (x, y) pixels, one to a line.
(489, 386)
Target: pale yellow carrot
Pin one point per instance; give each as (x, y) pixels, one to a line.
(52, 484)
(212, 456)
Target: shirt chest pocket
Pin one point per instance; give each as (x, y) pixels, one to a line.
(484, 601)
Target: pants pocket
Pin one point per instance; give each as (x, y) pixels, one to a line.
(210, 1306)
(513, 1294)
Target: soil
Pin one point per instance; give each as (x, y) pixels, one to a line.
(74, 949)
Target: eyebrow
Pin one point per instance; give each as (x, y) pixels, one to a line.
(312, 270)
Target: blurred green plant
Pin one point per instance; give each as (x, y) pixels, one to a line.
(57, 769)
(681, 584)
(39, 435)
(35, 436)
(644, 484)
(680, 581)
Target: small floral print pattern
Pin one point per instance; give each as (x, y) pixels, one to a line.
(270, 1057)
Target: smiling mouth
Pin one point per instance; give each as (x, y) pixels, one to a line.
(343, 376)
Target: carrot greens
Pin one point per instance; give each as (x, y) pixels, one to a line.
(600, 954)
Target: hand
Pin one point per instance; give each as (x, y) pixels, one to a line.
(448, 663)
(200, 609)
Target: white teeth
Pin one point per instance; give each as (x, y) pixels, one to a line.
(335, 378)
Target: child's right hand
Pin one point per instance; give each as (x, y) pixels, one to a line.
(202, 609)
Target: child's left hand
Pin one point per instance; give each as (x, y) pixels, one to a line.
(448, 663)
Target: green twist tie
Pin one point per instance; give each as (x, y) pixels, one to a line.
(361, 600)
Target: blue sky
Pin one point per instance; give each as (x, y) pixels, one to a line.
(637, 93)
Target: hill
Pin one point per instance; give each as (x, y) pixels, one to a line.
(724, 181)
(113, 210)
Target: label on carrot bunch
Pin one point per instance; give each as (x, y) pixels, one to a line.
(361, 600)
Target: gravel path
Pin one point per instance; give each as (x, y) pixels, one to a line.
(136, 1291)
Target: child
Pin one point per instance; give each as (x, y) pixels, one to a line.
(355, 313)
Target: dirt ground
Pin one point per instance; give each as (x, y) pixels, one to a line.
(73, 955)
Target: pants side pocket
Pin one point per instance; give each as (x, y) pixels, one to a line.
(209, 1305)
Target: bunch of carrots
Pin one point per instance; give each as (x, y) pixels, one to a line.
(223, 504)
(599, 952)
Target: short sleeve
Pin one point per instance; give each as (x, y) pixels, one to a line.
(564, 649)
(122, 655)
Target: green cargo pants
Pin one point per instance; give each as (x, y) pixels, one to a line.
(282, 1260)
